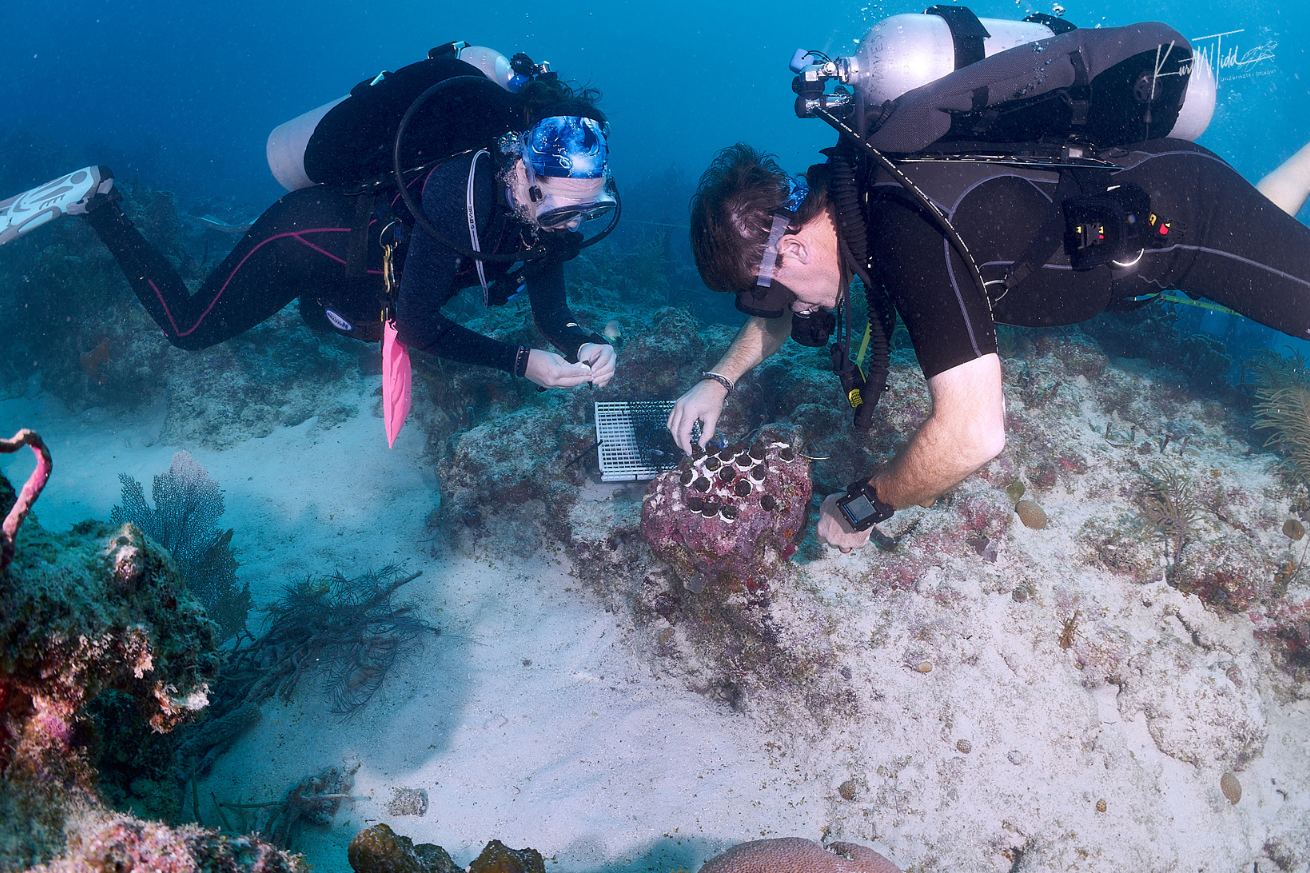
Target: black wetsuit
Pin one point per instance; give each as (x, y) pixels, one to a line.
(299, 248)
(1226, 242)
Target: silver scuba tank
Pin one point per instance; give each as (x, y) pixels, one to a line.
(287, 143)
(907, 51)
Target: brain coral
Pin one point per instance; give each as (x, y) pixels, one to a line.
(730, 515)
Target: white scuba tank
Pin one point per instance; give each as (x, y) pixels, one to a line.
(286, 145)
(906, 51)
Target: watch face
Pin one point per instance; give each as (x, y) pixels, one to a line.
(859, 507)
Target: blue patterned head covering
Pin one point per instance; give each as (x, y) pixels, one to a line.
(567, 146)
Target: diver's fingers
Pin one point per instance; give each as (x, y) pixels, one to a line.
(680, 426)
(707, 425)
(549, 370)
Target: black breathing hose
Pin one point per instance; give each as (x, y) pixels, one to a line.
(938, 217)
(532, 253)
(852, 237)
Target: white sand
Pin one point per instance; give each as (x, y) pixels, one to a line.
(540, 718)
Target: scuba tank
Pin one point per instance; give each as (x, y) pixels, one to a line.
(903, 52)
(350, 138)
(906, 52)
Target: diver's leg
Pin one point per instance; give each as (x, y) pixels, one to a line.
(299, 241)
(1288, 185)
(1230, 243)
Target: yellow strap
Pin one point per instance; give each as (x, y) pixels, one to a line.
(1204, 304)
(864, 347)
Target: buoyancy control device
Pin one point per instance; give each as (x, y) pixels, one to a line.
(351, 138)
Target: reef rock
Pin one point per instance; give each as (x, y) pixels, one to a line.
(1227, 572)
(98, 609)
(95, 609)
(729, 516)
(379, 849)
(100, 842)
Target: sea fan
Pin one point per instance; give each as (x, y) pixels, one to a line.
(1167, 508)
(183, 521)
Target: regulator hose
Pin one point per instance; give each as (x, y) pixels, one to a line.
(853, 239)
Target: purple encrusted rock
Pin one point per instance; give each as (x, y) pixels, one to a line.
(759, 512)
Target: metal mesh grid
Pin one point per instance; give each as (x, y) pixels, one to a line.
(634, 442)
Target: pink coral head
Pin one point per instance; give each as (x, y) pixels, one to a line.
(796, 855)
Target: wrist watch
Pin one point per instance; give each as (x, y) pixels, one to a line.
(861, 507)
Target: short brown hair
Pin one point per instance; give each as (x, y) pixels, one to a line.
(732, 212)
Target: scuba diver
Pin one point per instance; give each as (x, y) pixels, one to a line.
(1035, 186)
(498, 162)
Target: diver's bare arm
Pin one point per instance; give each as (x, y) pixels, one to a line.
(754, 343)
(757, 340)
(965, 430)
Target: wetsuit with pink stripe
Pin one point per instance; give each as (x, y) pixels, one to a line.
(299, 249)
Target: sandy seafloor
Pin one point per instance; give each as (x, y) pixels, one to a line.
(538, 718)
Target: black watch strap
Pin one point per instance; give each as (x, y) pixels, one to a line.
(861, 507)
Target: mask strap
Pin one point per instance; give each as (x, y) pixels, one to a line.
(769, 262)
(797, 191)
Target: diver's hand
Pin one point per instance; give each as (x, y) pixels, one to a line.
(833, 530)
(601, 357)
(703, 403)
(549, 370)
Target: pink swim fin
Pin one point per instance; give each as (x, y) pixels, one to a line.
(396, 379)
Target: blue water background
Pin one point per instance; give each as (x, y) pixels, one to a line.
(183, 95)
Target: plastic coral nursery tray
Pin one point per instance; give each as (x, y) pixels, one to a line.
(634, 443)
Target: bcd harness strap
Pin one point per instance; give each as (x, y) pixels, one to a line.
(371, 202)
(357, 247)
(1074, 180)
(473, 225)
(967, 33)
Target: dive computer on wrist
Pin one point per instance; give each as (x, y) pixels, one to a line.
(861, 507)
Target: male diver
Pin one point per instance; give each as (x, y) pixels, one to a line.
(1043, 240)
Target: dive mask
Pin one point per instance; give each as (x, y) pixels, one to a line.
(565, 203)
